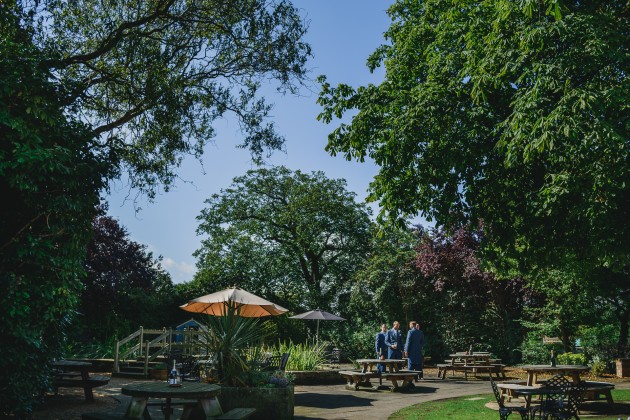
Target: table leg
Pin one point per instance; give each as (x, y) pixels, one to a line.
(531, 378)
(137, 407)
(167, 409)
(365, 368)
(85, 376)
(211, 407)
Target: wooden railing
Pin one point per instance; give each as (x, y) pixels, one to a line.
(138, 347)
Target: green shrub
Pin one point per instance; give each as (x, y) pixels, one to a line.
(598, 368)
(303, 356)
(572, 359)
(534, 351)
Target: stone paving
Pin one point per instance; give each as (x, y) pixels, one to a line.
(312, 402)
(337, 402)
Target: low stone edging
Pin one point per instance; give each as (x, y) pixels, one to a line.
(317, 377)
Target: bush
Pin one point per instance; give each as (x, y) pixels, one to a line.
(572, 359)
(534, 351)
(277, 379)
(303, 356)
(598, 368)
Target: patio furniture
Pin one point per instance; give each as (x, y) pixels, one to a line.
(334, 357)
(504, 411)
(555, 392)
(273, 363)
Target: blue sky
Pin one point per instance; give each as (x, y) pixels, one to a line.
(342, 34)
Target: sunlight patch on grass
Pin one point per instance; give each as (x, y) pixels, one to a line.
(471, 408)
(463, 408)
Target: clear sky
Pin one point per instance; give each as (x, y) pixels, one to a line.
(342, 34)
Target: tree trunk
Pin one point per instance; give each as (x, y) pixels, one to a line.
(622, 344)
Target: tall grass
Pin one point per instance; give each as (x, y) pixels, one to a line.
(302, 356)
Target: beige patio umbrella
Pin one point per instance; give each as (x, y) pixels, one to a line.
(250, 305)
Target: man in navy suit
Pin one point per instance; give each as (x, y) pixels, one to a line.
(381, 348)
(413, 347)
(394, 342)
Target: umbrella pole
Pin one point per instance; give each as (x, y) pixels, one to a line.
(317, 333)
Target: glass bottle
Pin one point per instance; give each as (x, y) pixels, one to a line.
(172, 377)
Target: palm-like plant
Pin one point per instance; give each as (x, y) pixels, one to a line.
(228, 337)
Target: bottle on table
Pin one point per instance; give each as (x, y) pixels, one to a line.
(470, 350)
(553, 358)
(172, 377)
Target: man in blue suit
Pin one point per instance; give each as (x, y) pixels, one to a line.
(394, 342)
(381, 348)
(413, 348)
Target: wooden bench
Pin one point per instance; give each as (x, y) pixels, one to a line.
(406, 377)
(594, 391)
(355, 379)
(490, 369)
(71, 381)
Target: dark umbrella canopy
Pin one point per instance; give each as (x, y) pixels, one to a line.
(318, 315)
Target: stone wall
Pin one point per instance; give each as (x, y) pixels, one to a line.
(270, 403)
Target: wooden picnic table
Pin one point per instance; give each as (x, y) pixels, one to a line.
(392, 365)
(570, 370)
(475, 363)
(592, 390)
(205, 394)
(76, 374)
(471, 359)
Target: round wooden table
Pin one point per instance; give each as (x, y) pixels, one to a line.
(140, 393)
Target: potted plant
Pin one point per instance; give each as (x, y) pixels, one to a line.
(159, 371)
(230, 338)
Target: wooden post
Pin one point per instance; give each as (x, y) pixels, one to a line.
(141, 340)
(146, 360)
(116, 357)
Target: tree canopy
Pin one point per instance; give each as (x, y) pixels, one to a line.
(151, 77)
(511, 113)
(124, 286)
(292, 236)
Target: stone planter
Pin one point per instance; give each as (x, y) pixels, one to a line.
(270, 403)
(623, 368)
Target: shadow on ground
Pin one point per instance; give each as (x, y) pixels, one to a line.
(316, 400)
(603, 408)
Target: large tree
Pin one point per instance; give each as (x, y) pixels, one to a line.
(49, 183)
(511, 113)
(124, 286)
(89, 90)
(292, 236)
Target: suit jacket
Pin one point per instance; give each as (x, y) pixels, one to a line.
(394, 337)
(381, 348)
(414, 344)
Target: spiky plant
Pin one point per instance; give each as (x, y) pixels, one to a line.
(229, 337)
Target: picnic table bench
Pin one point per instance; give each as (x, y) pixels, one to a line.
(75, 374)
(592, 390)
(400, 380)
(496, 368)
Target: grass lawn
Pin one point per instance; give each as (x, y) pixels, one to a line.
(473, 408)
